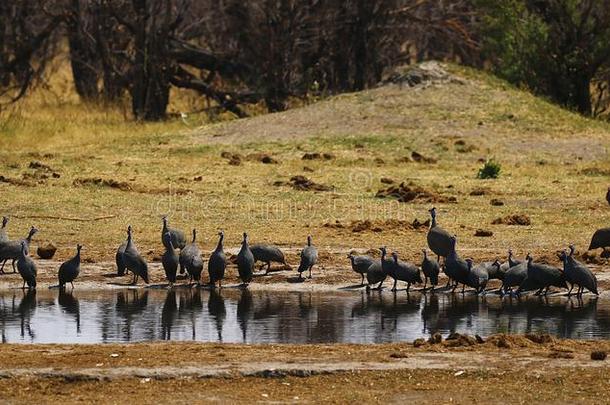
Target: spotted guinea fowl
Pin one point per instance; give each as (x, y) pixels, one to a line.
(439, 240)
(477, 276)
(26, 267)
(169, 259)
(455, 267)
(375, 274)
(134, 262)
(600, 239)
(217, 263)
(185, 252)
(514, 277)
(190, 258)
(494, 270)
(431, 269)
(268, 254)
(245, 261)
(405, 271)
(69, 270)
(577, 273)
(511, 262)
(3, 234)
(12, 250)
(360, 264)
(309, 257)
(120, 261)
(177, 237)
(541, 277)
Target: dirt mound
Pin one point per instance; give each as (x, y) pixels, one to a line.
(478, 191)
(413, 192)
(418, 157)
(496, 203)
(509, 341)
(318, 156)
(460, 340)
(16, 182)
(302, 183)
(46, 251)
(97, 181)
(371, 225)
(483, 233)
(515, 219)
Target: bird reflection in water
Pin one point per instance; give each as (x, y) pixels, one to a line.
(129, 305)
(217, 310)
(69, 305)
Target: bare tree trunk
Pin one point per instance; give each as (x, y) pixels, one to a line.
(83, 58)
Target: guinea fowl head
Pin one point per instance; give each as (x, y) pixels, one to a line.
(79, 247)
(469, 261)
(572, 249)
(309, 239)
(395, 257)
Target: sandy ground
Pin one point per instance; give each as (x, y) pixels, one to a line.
(503, 369)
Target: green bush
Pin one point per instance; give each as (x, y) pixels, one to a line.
(490, 170)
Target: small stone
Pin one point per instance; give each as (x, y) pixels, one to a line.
(114, 355)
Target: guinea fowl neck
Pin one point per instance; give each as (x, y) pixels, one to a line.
(220, 239)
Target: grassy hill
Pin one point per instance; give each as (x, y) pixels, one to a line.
(103, 172)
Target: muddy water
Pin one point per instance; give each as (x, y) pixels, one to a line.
(135, 315)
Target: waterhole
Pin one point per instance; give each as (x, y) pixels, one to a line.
(242, 316)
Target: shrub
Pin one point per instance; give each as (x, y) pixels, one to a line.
(490, 170)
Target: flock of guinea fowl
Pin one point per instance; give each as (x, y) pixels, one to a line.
(516, 276)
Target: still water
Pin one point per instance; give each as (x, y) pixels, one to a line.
(242, 316)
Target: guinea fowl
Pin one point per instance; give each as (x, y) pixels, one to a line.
(600, 239)
(360, 264)
(134, 262)
(190, 258)
(309, 257)
(439, 240)
(12, 250)
(169, 260)
(69, 270)
(387, 265)
(514, 277)
(3, 234)
(541, 277)
(455, 267)
(26, 267)
(268, 254)
(217, 263)
(185, 252)
(577, 273)
(431, 269)
(404, 271)
(477, 276)
(245, 262)
(494, 270)
(375, 274)
(177, 237)
(608, 195)
(120, 261)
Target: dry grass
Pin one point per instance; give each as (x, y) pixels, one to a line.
(543, 151)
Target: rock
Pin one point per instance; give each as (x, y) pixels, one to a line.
(483, 233)
(599, 355)
(269, 160)
(46, 251)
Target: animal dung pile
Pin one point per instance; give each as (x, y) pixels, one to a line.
(318, 156)
(479, 191)
(412, 192)
(515, 219)
(46, 251)
(599, 355)
(121, 185)
(496, 203)
(483, 233)
(418, 157)
(368, 225)
(302, 183)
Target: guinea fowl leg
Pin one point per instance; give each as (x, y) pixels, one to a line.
(72, 284)
(268, 268)
(408, 287)
(135, 279)
(310, 267)
(14, 268)
(23, 287)
(394, 286)
(571, 288)
(2, 267)
(362, 279)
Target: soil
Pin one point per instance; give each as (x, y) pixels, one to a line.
(412, 192)
(516, 219)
